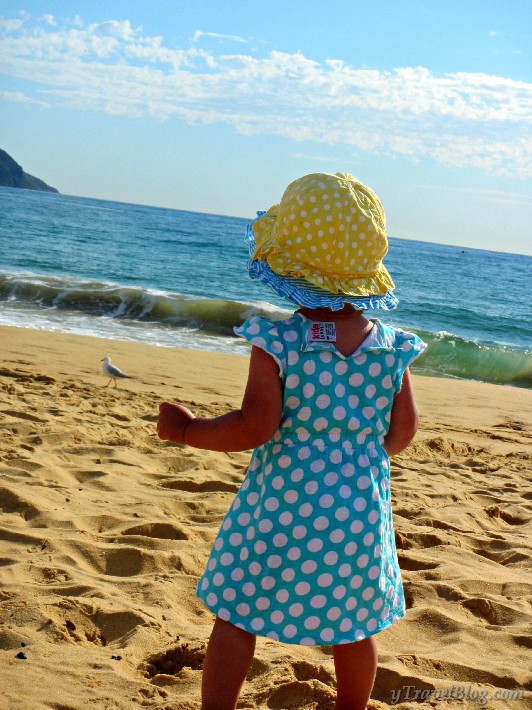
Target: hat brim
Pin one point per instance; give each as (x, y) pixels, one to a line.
(302, 293)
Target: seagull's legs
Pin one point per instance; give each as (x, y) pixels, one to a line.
(107, 385)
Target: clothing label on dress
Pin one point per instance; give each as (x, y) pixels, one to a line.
(322, 333)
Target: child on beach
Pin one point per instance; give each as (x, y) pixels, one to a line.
(306, 554)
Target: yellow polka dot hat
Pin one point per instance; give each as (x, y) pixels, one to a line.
(323, 245)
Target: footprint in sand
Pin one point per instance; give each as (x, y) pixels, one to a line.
(297, 694)
(111, 560)
(88, 476)
(519, 517)
(174, 659)
(414, 564)
(47, 575)
(90, 625)
(419, 540)
(23, 415)
(161, 531)
(502, 552)
(12, 502)
(7, 535)
(194, 486)
(495, 613)
(310, 671)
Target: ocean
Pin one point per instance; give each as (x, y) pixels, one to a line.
(178, 279)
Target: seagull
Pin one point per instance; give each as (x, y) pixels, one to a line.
(111, 370)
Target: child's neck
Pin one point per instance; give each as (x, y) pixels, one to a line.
(351, 328)
(324, 314)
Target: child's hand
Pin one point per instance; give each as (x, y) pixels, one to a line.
(173, 420)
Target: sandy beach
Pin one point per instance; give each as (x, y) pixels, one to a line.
(105, 531)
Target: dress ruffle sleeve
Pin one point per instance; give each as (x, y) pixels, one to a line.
(264, 333)
(408, 347)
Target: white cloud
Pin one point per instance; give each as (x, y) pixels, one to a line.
(10, 25)
(19, 97)
(458, 119)
(49, 20)
(113, 28)
(198, 34)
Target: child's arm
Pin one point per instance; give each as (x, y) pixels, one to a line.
(403, 423)
(245, 428)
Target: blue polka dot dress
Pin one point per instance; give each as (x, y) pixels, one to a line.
(306, 553)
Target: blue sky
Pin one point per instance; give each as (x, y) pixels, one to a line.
(216, 106)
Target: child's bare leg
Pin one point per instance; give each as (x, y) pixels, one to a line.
(356, 667)
(227, 661)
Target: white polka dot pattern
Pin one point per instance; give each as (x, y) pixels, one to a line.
(306, 554)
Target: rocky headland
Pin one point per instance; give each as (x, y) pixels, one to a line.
(12, 175)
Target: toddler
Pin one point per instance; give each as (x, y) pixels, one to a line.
(306, 554)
